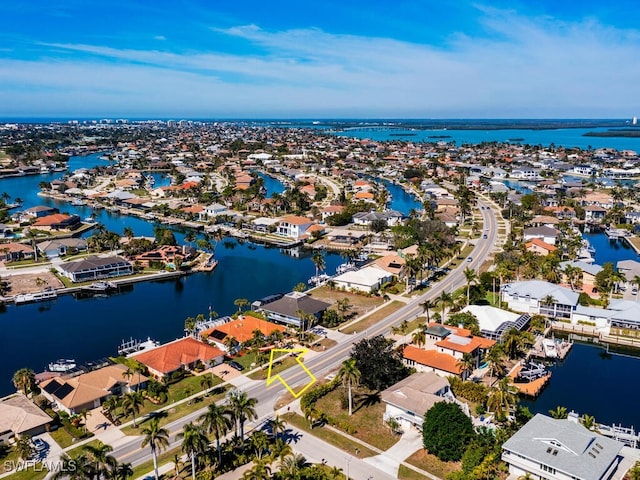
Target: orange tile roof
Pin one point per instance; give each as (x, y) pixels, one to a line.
(296, 220)
(542, 244)
(473, 344)
(49, 220)
(432, 358)
(168, 358)
(364, 195)
(242, 329)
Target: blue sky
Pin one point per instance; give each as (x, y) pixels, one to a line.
(348, 58)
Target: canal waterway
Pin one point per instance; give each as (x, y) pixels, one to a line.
(591, 382)
(401, 200)
(608, 250)
(86, 329)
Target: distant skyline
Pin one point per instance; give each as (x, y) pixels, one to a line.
(330, 59)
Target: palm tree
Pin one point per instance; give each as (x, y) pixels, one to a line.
(259, 443)
(242, 409)
(513, 342)
(349, 375)
(495, 359)
(216, 420)
(318, 260)
(139, 368)
(195, 442)
(128, 232)
(25, 380)
(24, 447)
(120, 471)
(559, 412)
(189, 325)
(206, 381)
(588, 422)
(466, 363)
(427, 306)
(470, 276)
(76, 468)
(157, 438)
(277, 425)
(131, 404)
(291, 465)
(419, 337)
(636, 282)
(99, 456)
(549, 301)
(240, 302)
(127, 374)
(445, 299)
(260, 471)
(502, 398)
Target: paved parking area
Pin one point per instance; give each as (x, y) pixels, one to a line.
(225, 372)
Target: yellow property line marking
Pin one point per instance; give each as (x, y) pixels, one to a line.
(302, 352)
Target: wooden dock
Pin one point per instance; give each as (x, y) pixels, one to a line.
(530, 389)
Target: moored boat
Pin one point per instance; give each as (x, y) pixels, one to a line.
(35, 297)
(62, 365)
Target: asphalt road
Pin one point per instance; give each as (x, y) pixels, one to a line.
(321, 365)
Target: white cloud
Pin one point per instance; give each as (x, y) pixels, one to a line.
(527, 67)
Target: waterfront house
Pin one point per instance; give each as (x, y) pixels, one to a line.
(88, 390)
(594, 213)
(241, 329)
(14, 251)
(345, 237)
(57, 221)
(62, 246)
(540, 247)
(211, 211)
(630, 269)
(39, 211)
(494, 322)
(95, 268)
(330, 211)
(390, 217)
(166, 254)
(287, 309)
(20, 416)
(293, 226)
(529, 297)
(457, 345)
(588, 270)
(181, 354)
(546, 234)
(546, 448)
(408, 400)
(441, 364)
(366, 280)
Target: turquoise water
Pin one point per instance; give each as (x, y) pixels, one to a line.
(401, 200)
(567, 137)
(272, 184)
(610, 251)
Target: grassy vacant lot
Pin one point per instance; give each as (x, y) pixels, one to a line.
(361, 303)
(334, 438)
(175, 411)
(405, 473)
(366, 419)
(431, 464)
(374, 318)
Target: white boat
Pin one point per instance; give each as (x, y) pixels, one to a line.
(78, 202)
(317, 280)
(62, 365)
(90, 220)
(35, 297)
(129, 347)
(549, 346)
(345, 267)
(100, 286)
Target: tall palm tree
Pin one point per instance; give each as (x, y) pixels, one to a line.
(502, 398)
(76, 468)
(419, 337)
(466, 363)
(139, 368)
(427, 306)
(470, 276)
(240, 302)
(206, 381)
(157, 438)
(216, 420)
(132, 402)
(291, 465)
(260, 471)
(194, 443)
(120, 471)
(495, 359)
(277, 426)
(242, 409)
(25, 380)
(99, 456)
(128, 374)
(636, 282)
(588, 422)
(349, 375)
(445, 300)
(318, 260)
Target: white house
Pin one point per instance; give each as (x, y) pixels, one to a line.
(529, 297)
(367, 279)
(494, 322)
(293, 226)
(551, 449)
(212, 210)
(546, 234)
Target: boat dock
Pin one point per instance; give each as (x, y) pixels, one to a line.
(532, 388)
(616, 233)
(560, 351)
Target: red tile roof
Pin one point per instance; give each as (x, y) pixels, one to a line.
(172, 356)
(433, 359)
(242, 329)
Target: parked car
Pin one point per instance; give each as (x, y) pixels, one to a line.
(39, 444)
(484, 236)
(236, 365)
(469, 259)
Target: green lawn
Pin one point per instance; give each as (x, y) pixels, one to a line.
(78, 450)
(164, 457)
(10, 459)
(29, 474)
(366, 419)
(278, 366)
(64, 438)
(374, 318)
(334, 438)
(173, 413)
